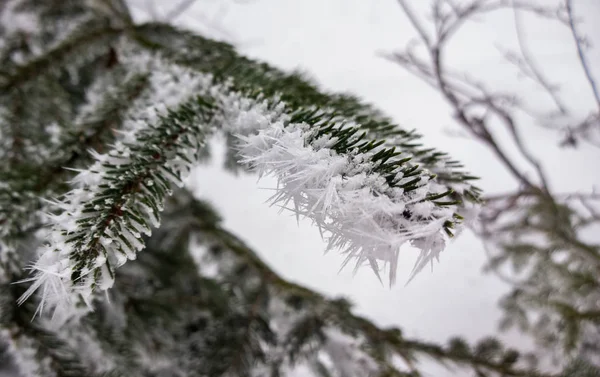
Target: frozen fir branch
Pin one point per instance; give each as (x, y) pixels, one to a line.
(23, 185)
(116, 201)
(258, 79)
(163, 121)
(368, 199)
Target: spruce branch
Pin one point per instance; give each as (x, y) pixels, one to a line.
(118, 198)
(368, 184)
(253, 78)
(369, 194)
(370, 197)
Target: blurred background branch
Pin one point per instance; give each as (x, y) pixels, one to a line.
(549, 240)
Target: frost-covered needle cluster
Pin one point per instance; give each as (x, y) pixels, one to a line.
(99, 224)
(344, 193)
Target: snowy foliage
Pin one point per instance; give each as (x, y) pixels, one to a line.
(100, 117)
(367, 200)
(99, 223)
(139, 123)
(344, 195)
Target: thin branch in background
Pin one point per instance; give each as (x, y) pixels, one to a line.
(119, 9)
(512, 224)
(533, 69)
(436, 72)
(584, 130)
(462, 86)
(562, 196)
(212, 24)
(458, 134)
(594, 212)
(579, 40)
(463, 13)
(510, 280)
(178, 10)
(412, 17)
(518, 139)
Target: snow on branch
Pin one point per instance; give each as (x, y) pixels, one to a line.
(367, 199)
(298, 93)
(99, 223)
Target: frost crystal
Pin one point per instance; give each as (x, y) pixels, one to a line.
(360, 213)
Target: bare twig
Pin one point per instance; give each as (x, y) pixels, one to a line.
(480, 7)
(581, 54)
(412, 17)
(475, 125)
(514, 131)
(533, 68)
(536, 229)
(558, 196)
(409, 61)
(178, 10)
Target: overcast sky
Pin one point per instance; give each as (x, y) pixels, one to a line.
(337, 41)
